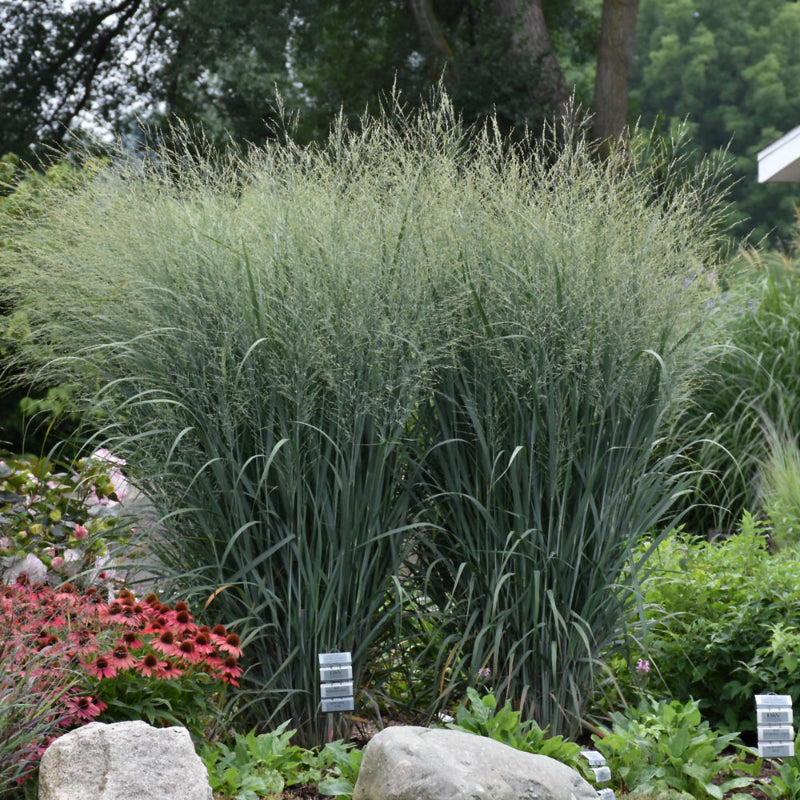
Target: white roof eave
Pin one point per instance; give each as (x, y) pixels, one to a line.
(779, 162)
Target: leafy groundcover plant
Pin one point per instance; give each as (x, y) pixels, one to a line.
(480, 715)
(261, 765)
(667, 745)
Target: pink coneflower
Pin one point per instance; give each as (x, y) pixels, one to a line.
(150, 666)
(131, 640)
(188, 651)
(166, 644)
(231, 645)
(85, 708)
(85, 641)
(169, 671)
(184, 622)
(65, 593)
(152, 601)
(203, 644)
(121, 658)
(230, 671)
(102, 667)
(218, 634)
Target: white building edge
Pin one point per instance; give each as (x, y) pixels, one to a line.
(779, 162)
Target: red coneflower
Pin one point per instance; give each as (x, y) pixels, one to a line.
(231, 645)
(150, 665)
(121, 658)
(203, 644)
(131, 640)
(169, 671)
(218, 634)
(188, 651)
(85, 641)
(231, 671)
(85, 708)
(166, 643)
(102, 667)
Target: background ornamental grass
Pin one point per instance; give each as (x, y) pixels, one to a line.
(404, 393)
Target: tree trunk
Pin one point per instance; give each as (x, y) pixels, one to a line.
(437, 50)
(532, 39)
(614, 56)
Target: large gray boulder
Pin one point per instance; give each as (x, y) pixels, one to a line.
(123, 761)
(411, 763)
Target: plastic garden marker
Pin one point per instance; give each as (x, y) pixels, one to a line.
(775, 720)
(335, 685)
(602, 774)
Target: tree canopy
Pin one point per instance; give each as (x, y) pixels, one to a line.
(221, 63)
(732, 71)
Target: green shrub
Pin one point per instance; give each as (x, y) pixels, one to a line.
(663, 745)
(62, 520)
(724, 623)
(414, 338)
(481, 716)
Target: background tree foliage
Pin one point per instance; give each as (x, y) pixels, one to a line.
(219, 62)
(732, 70)
(729, 68)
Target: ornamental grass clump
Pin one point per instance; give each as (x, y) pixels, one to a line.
(413, 339)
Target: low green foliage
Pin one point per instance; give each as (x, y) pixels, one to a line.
(259, 765)
(785, 785)
(724, 622)
(667, 745)
(481, 715)
(344, 762)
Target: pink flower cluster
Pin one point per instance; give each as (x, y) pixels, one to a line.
(160, 641)
(58, 632)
